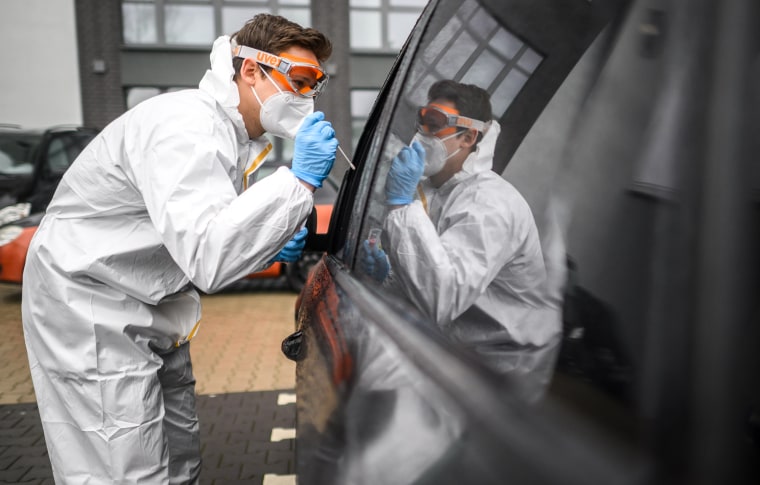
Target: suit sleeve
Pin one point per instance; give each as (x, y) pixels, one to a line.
(215, 235)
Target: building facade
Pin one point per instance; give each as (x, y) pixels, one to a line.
(93, 59)
(131, 50)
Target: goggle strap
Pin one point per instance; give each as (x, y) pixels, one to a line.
(469, 123)
(261, 57)
(458, 120)
(281, 64)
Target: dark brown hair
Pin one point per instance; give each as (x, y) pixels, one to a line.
(275, 34)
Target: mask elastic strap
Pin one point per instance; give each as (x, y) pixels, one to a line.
(453, 153)
(257, 96)
(270, 79)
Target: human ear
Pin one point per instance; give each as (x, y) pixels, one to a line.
(470, 138)
(248, 70)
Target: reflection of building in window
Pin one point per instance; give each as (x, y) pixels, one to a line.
(383, 24)
(473, 48)
(377, 28)
(199, 22)
(362, 101)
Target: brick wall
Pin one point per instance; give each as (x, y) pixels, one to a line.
(99, 41)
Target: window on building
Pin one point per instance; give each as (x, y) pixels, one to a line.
(199, 22)
(137, 94)
(382, 25)
(139, 23)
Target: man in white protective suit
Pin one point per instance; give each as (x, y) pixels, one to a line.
(463, 244)
(159, 204)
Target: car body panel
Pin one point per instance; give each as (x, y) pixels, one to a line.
(383, 401)
(640, 165)
(13, 257)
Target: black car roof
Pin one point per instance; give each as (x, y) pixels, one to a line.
(18, 129)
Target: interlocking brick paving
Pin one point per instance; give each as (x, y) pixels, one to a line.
(240, 373)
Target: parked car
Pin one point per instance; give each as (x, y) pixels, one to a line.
(631, 129)
(32, 163)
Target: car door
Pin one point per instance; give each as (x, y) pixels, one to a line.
(603, 108)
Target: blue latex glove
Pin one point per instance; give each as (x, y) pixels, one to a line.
(293, 248)
(373, 261)
(404, 175)
(314, 151)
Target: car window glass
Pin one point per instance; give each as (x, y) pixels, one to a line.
(63, 149)
(551, 270)
(466, 253)
(482, 255)
(16, 153)
(58, 160)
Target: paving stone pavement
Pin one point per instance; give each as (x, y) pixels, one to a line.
(236, 444)
(241, 375)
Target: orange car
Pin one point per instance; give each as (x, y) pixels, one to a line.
(14, 242)
(32, 163)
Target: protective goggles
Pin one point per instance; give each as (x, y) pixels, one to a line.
(439, 120)
(301, 76)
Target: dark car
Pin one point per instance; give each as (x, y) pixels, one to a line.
(631, 129)
(32, 163)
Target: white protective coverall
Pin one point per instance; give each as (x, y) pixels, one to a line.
(468, 255)
(154, 206)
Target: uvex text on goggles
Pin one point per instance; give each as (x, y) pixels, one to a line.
(436, 119)
(303, 76)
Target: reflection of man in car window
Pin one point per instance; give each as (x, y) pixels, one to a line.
(462, 243)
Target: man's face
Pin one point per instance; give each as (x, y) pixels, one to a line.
(453, 142)
(299, 77)
(252, 77)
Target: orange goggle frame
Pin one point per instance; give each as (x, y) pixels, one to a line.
(302, 76)
(436, 119)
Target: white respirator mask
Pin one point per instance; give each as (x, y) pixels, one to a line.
(436, 153)
(282, 113)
